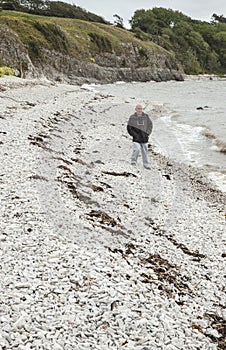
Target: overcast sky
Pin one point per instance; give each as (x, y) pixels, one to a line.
(196, 9)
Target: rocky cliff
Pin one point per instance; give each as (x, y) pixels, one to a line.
(76, 51)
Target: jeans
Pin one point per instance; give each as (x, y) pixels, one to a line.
(137, 147)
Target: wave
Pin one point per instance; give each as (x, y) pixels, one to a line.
(218, 145)
(208, 134)
(221, 145)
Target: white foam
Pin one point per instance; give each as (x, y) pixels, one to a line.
(89, 87)
(219, 179)
(186, 139)
(120, 82)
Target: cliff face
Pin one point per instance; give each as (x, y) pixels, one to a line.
(13, 53)
(160, 67)
(101, 54)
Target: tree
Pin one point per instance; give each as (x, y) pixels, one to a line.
(10, 5)
(199, 46)
(118, 22)
(220, 45)
(220, 19)
(51, 8)
(144, 20)
(168, 18)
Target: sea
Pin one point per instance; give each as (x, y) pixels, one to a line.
(189, 119)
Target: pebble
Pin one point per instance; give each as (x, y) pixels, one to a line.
(20, 323)
(69, 281)
(22, 285)
(57, 347)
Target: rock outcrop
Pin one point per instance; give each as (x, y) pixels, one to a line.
(108, 68)
(132, 63)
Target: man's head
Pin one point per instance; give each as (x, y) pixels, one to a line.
(139, 110)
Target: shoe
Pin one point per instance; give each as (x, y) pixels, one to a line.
(133, 163)
(147, 167)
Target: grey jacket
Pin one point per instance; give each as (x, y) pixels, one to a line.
(139, 127)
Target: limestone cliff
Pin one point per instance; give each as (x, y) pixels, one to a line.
(76, 51)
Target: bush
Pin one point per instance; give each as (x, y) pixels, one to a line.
(54, 35)
(139, 34)
(6, 71)
(34, 49)
(101, 41)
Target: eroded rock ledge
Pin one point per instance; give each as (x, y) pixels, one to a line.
(132, 64)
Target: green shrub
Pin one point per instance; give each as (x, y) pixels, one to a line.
(34, 49)
(143, 52)
(6, 71)
(54, 35)
(139, 34)
(101, 41)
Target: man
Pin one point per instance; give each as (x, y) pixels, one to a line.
(140, 127)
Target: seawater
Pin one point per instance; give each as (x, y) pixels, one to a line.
(191, 124)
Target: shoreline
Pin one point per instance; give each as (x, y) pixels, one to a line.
(162, 117)
(96, 253)
(204, 77)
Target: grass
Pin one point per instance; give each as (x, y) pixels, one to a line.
(73, 35)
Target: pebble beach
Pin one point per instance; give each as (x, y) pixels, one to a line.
(96, 253)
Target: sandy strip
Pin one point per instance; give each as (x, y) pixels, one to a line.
(97, 254)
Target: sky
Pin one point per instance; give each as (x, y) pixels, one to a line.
(196, 9)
